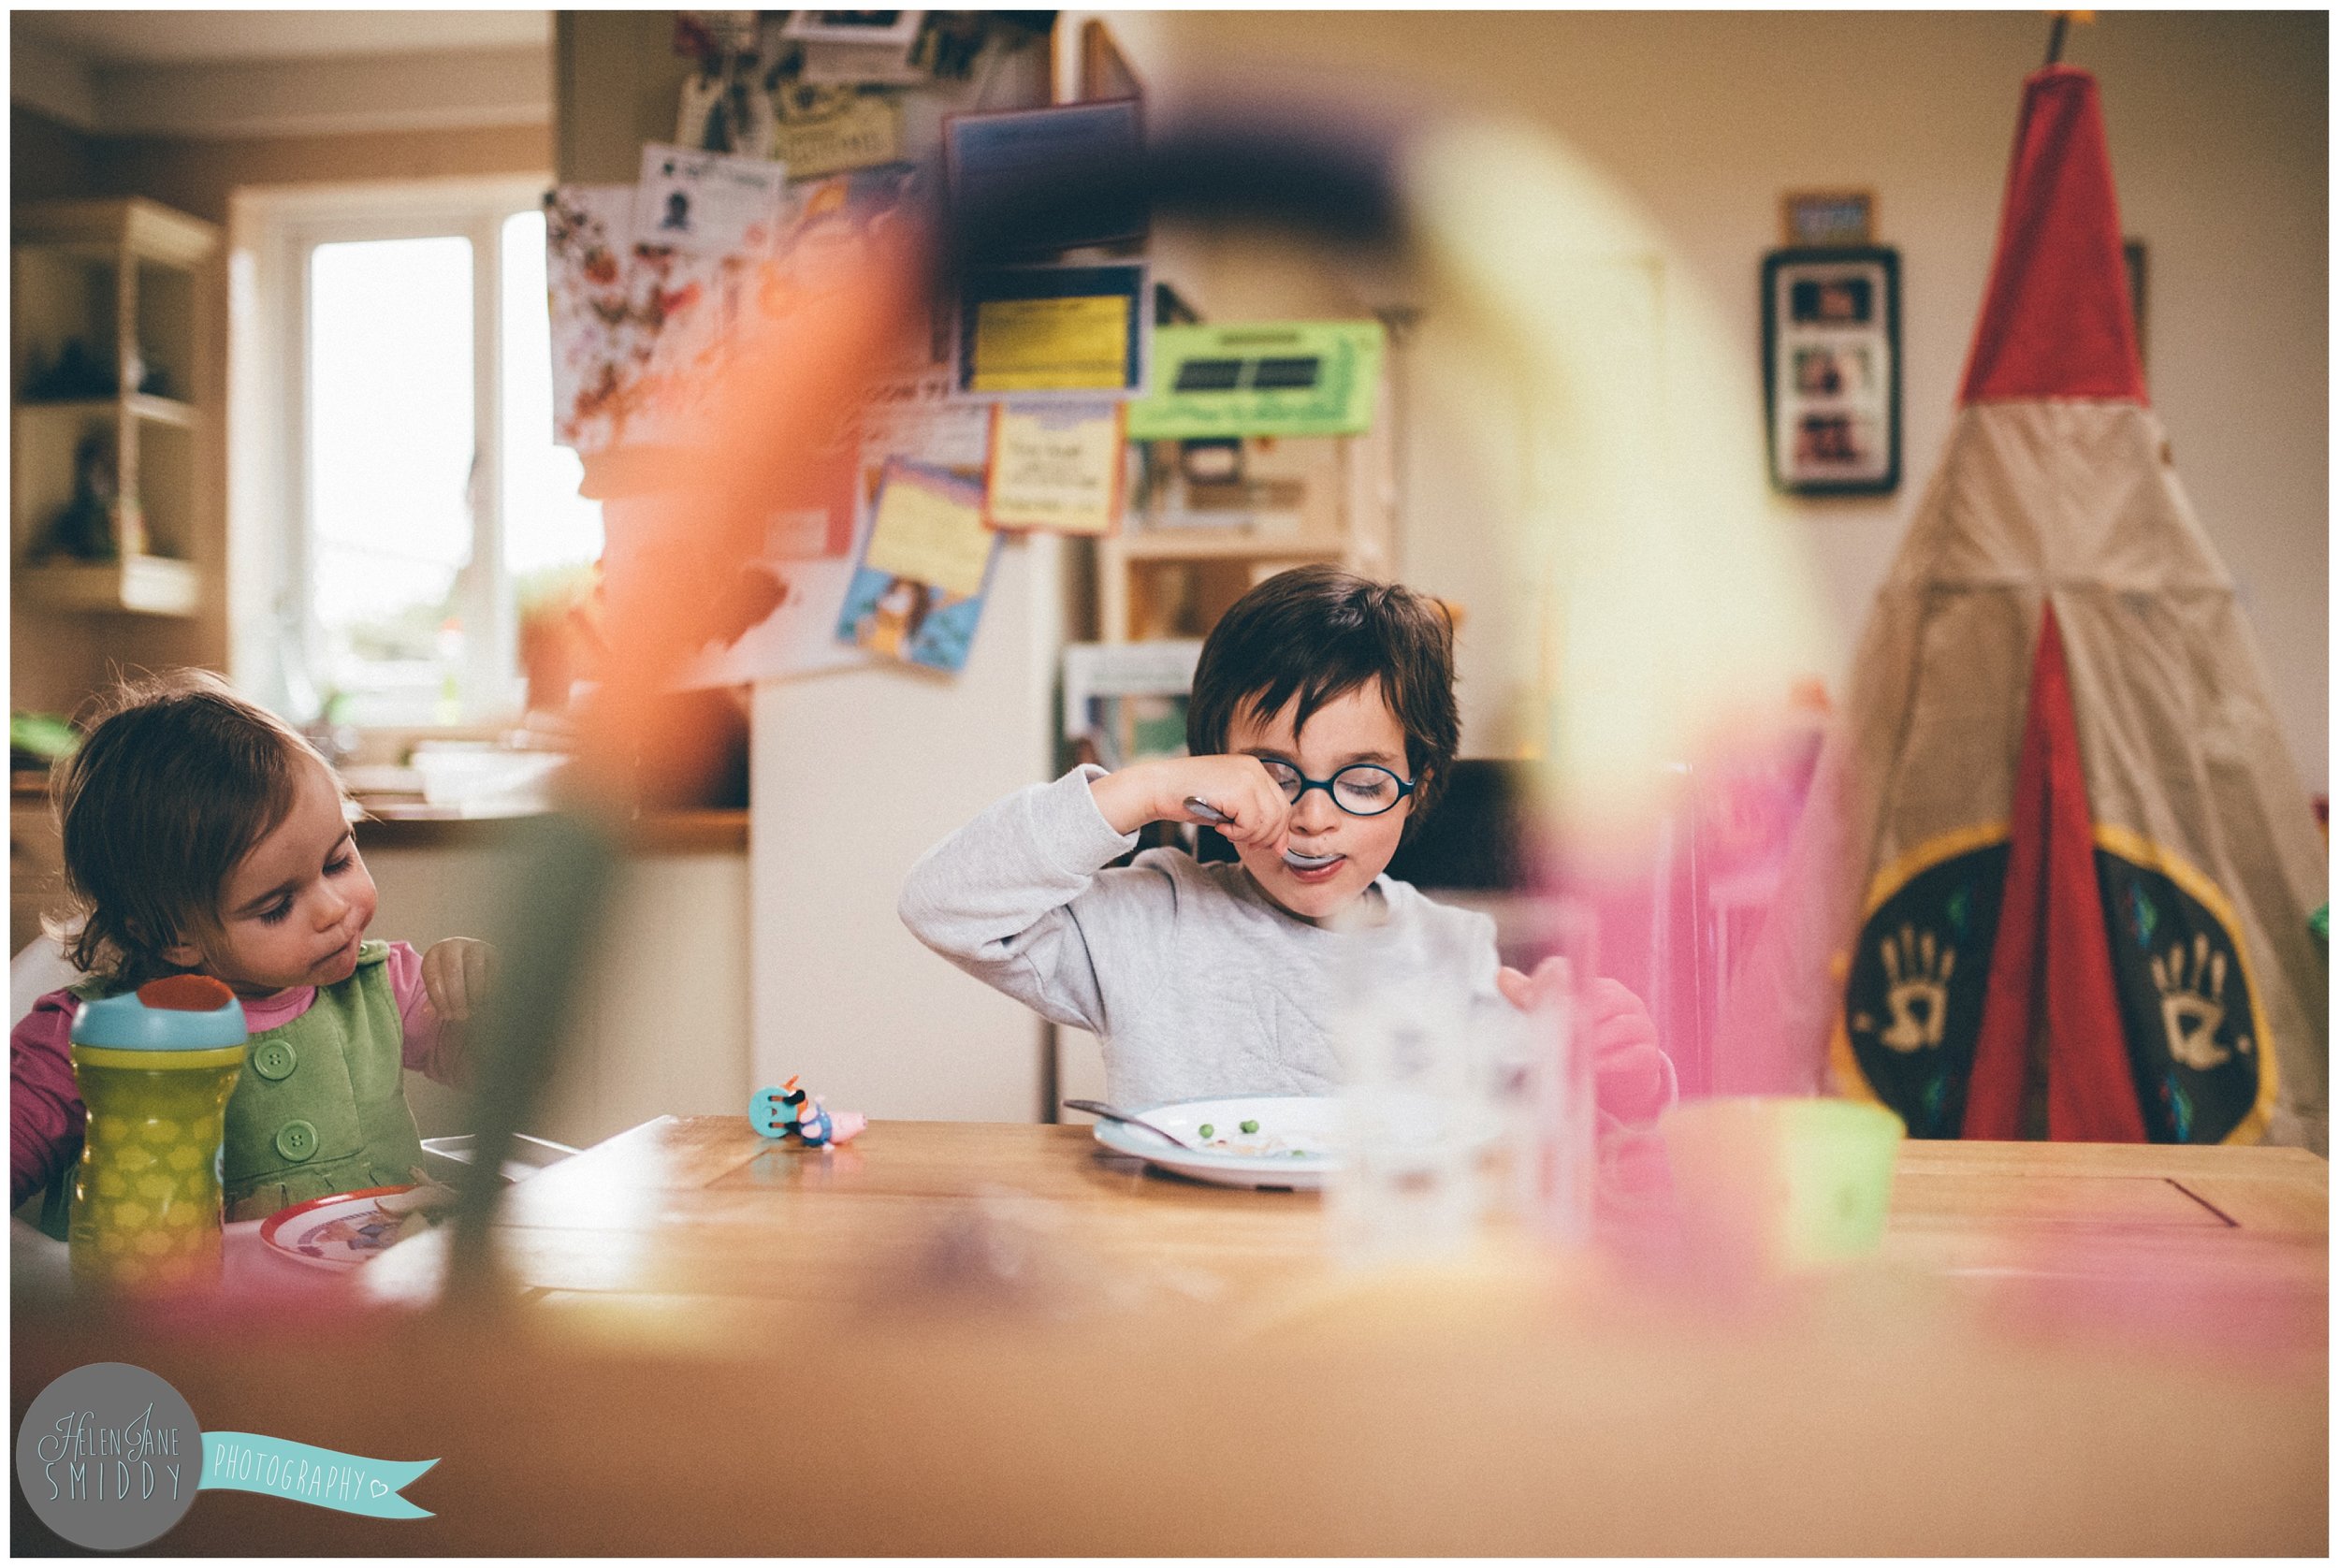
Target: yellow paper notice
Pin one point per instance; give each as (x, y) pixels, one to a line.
(1056, 469)
(1050, 345)
(924, 535)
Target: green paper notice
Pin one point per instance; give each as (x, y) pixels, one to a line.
(1297, 378)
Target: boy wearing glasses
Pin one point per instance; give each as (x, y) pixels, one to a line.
(1321, 723)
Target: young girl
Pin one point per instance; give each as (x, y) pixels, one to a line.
(1321, 723)
(202, 835)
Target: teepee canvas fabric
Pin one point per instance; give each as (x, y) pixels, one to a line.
(2066, 870)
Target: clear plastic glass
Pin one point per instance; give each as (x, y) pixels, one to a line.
(1540, 1090)
(1415, 1102)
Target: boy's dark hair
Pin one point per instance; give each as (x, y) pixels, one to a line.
(1323, 631)
(178, 778)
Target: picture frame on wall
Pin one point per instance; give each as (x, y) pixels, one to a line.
(857, 48)
(1813, 219)
(1011, 152)
(888, 28)
(1831, 357)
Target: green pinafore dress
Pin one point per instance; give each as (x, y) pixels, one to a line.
(321, 1106)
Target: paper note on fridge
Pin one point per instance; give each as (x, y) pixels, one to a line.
(708, 202)
(1292, 378)
(1057, 467)
(1030, 345)
(930, 529)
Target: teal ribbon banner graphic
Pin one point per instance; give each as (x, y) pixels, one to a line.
(351, 1482)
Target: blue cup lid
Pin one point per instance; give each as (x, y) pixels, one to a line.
(178, 1013)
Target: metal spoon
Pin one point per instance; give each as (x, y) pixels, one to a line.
(1111, 1114)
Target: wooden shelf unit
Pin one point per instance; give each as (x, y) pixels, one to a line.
(120, 277)
(1159, 580)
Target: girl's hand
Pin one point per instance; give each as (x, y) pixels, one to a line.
(456, 975)
(1238, 788)
(1630, 1079)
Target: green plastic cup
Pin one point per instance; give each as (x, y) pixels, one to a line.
(155, 1068)
(1777, 1183)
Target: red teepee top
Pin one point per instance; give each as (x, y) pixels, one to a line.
(2055, 322)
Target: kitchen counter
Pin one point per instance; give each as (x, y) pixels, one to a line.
(412, 825)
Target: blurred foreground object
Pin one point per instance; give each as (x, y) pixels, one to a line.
(1765, 1183)
(1670, 602)
(2060, 825)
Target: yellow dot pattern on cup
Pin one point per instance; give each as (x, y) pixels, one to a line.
(147, 1207)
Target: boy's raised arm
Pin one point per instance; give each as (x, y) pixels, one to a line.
(1246, 807)
(997, 897)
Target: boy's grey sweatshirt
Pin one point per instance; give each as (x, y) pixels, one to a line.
(1199, 984)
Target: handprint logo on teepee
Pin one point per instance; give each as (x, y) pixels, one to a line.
(2192, 1004)
(1917, 967)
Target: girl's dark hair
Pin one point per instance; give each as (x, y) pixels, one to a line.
(178, 778)
(1322, 632)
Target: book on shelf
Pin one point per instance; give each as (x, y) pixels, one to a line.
(1125, 702)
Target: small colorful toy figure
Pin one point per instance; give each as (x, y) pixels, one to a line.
(777, 1113)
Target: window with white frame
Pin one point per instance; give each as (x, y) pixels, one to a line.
(401, 504)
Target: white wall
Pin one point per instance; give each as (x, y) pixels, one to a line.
(2218, 129)
(856, 774)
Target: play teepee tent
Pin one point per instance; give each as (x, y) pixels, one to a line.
(2059, 875)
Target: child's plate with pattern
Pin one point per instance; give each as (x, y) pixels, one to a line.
(1290, 1141)
(337, 1232)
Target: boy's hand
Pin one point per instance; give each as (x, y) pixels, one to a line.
(1629, 1075)
(456, 975)
(1238, 788)
(1526, 993)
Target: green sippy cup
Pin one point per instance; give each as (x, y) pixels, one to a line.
(155, 1067)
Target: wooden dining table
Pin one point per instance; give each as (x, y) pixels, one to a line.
(964, 1337)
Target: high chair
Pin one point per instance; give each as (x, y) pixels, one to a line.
(40, 967)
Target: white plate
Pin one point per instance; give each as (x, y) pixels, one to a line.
(1295, 1144)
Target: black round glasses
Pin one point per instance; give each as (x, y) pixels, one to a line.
(1361, 789)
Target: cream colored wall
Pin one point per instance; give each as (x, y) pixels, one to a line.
(663, 1027)
(2217, 124)
(616, 83)
(198, 175)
